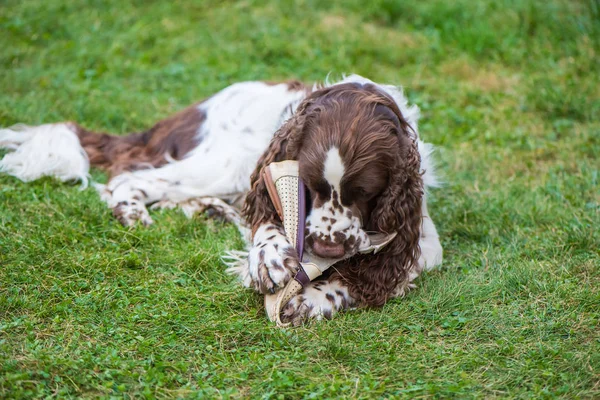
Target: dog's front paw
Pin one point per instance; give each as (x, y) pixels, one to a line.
(321, 299)
(272, 262)
(128, 212)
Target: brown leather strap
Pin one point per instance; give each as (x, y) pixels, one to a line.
(272, 190)
(302, 277)
(275, 303)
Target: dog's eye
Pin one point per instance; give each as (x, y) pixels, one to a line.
(353, 194)
(323, 189)
(359, 192)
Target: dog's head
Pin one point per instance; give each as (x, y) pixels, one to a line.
(359, 160)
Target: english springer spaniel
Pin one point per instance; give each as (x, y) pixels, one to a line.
(359, 155)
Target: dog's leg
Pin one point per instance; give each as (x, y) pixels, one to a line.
(320, 299)
(272, 260)
(128, 193)
(269, 264)
(431, 248)
(203, 174)
(431, 254)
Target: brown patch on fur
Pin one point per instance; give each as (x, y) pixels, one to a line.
(318, 284)
(293, 85)
(173, 137)
(277, 266)
(339, 237)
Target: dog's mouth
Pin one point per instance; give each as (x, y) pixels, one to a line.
(330, 249)
(371, 243)
(326, 249)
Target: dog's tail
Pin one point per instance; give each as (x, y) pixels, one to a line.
(63, 150)
(45, 150)
(66, 150)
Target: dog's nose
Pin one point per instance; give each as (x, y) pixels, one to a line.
(327, 249)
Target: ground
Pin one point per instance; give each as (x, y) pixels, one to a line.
(509, 92)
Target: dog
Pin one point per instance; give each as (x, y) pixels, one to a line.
(360, 157)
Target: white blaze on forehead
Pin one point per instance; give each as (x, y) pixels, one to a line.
(333, 170)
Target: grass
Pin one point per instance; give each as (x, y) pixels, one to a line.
(509, 92)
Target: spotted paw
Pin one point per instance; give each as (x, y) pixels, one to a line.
(129, 212)
(320, 300)
(272, 261)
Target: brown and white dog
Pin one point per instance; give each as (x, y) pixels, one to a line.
(359, 155)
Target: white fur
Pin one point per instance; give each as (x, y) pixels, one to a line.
(431, 249)
(333, 170)
(327, 220)
(237, 265)
(240, 121)
(45, 150)
(430, 178)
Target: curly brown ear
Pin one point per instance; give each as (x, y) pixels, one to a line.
(258, 208)
(373, 279)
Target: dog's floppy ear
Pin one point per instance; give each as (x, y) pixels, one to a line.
(399, 206)
(285, 145)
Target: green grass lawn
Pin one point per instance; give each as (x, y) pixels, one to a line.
(509, 92)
